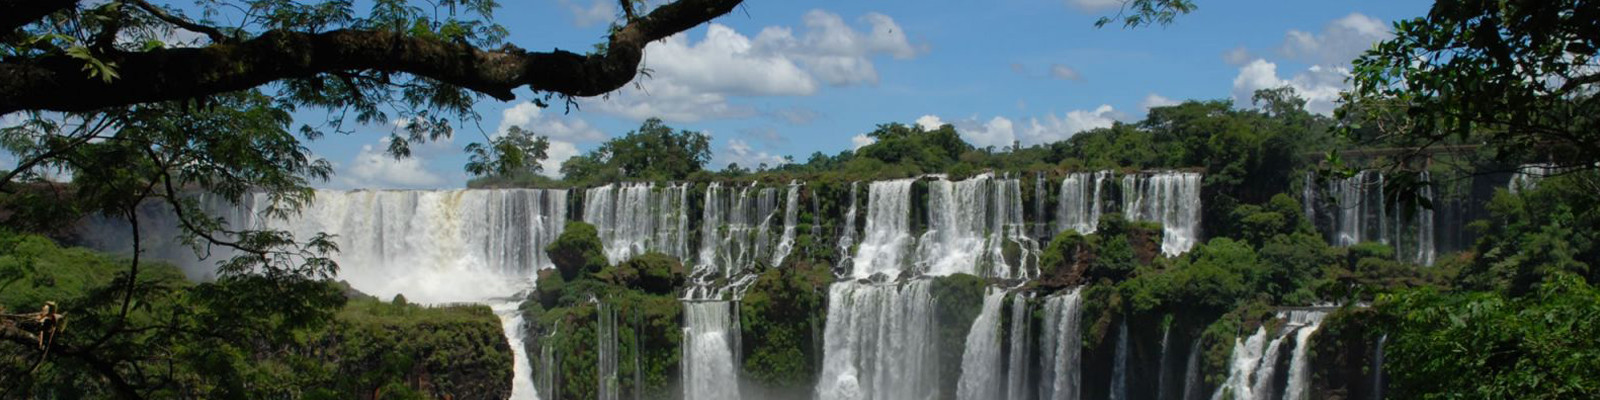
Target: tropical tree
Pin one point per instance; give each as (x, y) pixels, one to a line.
(1519, 75)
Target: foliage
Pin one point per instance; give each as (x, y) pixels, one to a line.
(1490, 345)
(913, 146)
(652, 272)
(779, 318)
(1538, 232)
(238, 337)
(577, 252)
(518, 152)
(1518, 76)
(652, 152)
(957, 301)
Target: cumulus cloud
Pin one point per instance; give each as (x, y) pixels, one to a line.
(1338, 43)
(597, 12)
(1155, 100)
(1094, 5)
(1059, 71)
(564, 133)
(740, 152)
(373, 168)
(1000, 131)
(1237, 56)
(862, 140)
(1319, 85)
(1328, 54)
(929, 122)
(693, 81)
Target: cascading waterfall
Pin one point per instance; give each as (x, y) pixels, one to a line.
(1170, 198)
(791, 218)
(1365, 215)
(980, 360)
(1060, 346)
(1039, 226)
(887, 237)
(609, 388)
(971, 225)
(847, 232)
(877, 344)
(735, 230)
(1119, 372)
(1191, 373)
(511, 321)
(709, 351)
(1299, 386)
(1528, 176)
(1079, 206)
(1018, 360)
(1241, 370)
(635, 218)
(1253, 370)
(1377, 368)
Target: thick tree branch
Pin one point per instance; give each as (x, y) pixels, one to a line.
(16, 13)
(58, 82)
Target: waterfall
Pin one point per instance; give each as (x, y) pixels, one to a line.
(1191, 372)
(1253, 370)
(1060, 346)
(735, 233)
(1170, 198)
(888, 233)
(1119, 372)
(847, 233)
(1019, 359)
(1527, 177)
(1245, 359)
(1164, 368)
(791, 217)
(971, 223)
(635, 218)
(511, 321)
(980, 360)
(1299, 363)
(878, 343)
(1040, 224)
(1365, 214)
(709, 371)
(1079, 205)
(1377, 368)
(609, 388)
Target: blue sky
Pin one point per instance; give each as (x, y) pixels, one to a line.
(778, 78)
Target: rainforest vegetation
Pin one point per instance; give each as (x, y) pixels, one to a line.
(1448, 109)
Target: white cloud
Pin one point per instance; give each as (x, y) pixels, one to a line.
(766, 135)
(600, 11)
(997, 132)
(1318, 85)
(1051, 128)
(564, 133)
(739, 151)
(1338, 43)
(862, 140)
(1155, 100)
(1003, 132)
(1237, 56)
(795, 115)
(693, 81)
(1094, 5)
(373, 168)
(1064, 72)
(929, 122)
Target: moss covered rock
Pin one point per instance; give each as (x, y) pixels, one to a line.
(577, 251)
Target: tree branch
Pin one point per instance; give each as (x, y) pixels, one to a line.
(58, 82)
(216, 35)
(16, 13)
